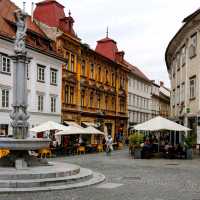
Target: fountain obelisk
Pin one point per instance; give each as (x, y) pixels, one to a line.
(20, 143)
(19, 114)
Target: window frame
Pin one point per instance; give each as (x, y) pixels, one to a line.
(6, 67)
(53, 80)
(40, 103)
(41, 77)
(5, 98)
(53, 104)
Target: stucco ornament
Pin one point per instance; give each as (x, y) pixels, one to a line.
(21, 32)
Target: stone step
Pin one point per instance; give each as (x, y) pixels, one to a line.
(96, 178)
(54, 170)
(84, 175)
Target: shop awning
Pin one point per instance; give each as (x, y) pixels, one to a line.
(71, 123)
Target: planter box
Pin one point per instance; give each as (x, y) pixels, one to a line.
(189, 154)
(137, 153)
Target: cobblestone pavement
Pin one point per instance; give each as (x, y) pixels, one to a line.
(129, 179)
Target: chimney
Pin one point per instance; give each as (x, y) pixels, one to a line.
(120, 56)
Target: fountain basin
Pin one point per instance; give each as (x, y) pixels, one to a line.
(24, 144)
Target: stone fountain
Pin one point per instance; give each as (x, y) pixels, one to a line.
(20, 143)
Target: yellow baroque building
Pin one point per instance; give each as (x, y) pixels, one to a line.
(94, 88)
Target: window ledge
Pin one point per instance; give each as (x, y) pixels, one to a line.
(40, 81)
(6, 73)
(54, 84)
(193, 98)
(193, 56)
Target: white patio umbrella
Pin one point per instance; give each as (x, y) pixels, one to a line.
(94, 131)
(47, 126)
(71, 130)
(160, 123)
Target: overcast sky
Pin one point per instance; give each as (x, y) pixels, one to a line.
(142, 28)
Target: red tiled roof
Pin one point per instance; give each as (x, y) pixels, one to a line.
(49, 1)
(7, 9)
(135, 70)
(107, 47)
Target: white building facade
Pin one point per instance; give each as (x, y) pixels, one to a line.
(139, 97)
(43, 82)
(182, 59)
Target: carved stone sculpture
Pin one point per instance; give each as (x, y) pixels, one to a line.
(21, 32)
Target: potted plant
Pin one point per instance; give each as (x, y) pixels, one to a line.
(135, 141)
(188, 145)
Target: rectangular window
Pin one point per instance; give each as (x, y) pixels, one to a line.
(67, 60)
(5, 98)
(183, 56)
(98, 101)
(69, 94)
(91, 99)
(178, 95)
(41, 73)
(192, 88)
(173, 97)
(82, 98)
(182, 92)
(40, 103)
(113, 79)
(193, 46)
(6, 64)
(178, 61)
(53, 104)
(129, 99)
(72, 63)
(99, 74)
(113, 103)
(92, 71)
(27, 71)
(53, 76)
(83, 68)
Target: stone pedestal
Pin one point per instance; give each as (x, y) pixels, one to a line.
(20, 164)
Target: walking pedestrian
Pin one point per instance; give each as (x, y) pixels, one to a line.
(109, 145)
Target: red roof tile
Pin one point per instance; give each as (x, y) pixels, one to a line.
(7, 9)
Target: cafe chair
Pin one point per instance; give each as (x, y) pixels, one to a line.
(81, 149)
(44, 153)
(4, 152)
(100, 147)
